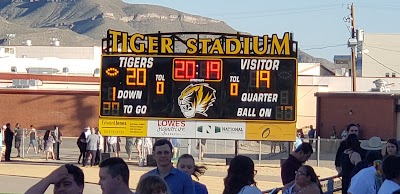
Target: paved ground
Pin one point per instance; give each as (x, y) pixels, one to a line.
(17, 176)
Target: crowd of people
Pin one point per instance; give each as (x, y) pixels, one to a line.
(49, 143)
(114, 176)
(365, 167)
(91, 144)
(368, 167)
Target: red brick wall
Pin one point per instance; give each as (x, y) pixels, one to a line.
(70, 110)
(376, 115)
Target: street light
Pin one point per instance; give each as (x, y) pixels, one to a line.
(9, 37)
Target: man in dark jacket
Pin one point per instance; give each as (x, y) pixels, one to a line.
(351, 129)
(8, 138)
(81, 142)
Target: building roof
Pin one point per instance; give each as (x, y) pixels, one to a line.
(391, 94)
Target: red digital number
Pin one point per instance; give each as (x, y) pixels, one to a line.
(190, 72)
(179, 71)
(185, 69)
(213, 67)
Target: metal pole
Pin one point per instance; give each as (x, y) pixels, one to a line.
(23, 143)
(189, 146)
(353, 51)
(224, 146)
(199, 143)
(236, 147)
(259, 153)
(215, 146)
(318, 149)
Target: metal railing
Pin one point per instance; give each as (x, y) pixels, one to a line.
(329, 185)
(324, 149)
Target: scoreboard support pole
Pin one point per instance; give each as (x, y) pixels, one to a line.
(236, 147)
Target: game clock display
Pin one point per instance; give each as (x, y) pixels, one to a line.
(203, 70)
(201, 87)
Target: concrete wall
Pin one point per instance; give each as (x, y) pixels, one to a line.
(309, 69)
(306, 110)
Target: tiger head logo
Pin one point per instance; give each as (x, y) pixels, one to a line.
(196, 98)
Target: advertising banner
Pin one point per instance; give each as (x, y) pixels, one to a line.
(271, 132)
(123, 127)
(171, 128)
(221, 130)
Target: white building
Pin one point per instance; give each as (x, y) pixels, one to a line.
(50, 60)
(379, 55)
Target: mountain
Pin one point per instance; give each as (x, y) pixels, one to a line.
(85, 22)
(306, 58)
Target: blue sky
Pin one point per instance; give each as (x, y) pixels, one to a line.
(317, 25)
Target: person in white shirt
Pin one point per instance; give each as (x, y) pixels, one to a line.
(87, 132)
(101, 146)
(148, 146)
(112, 145)
(364, 182)
(391, 171)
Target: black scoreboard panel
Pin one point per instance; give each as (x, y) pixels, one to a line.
(253, 88)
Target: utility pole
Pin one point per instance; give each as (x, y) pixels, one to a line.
(353, 51)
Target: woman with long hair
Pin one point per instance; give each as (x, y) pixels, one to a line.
(391, 148)
(48, 145)
(187, 165)
(240, 178)
(306, 181)
(350, 158)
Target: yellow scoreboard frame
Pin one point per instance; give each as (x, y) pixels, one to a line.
(231, 86)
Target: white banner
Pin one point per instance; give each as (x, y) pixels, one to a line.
(171, 128)
(220, 130)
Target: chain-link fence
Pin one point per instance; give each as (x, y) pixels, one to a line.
(263, 151)
(25, 138)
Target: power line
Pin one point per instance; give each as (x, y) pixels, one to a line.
(323, 47)
(312, 88)
(250, 12)
(381, 48)
(283, 13)
(381, 63)
(380, 6)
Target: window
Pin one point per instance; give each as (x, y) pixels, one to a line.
(9, 50)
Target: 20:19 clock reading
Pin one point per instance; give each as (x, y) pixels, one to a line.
(187, 69)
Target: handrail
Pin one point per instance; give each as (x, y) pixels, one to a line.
(329, 185)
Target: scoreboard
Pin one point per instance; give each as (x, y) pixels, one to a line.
(256, 89)
(213, 81)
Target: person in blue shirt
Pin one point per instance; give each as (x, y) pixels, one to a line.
(178, 181)
(187, 165)
(298, 141)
